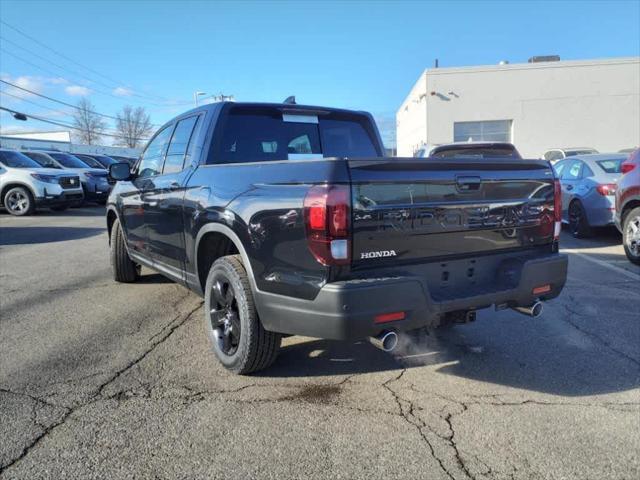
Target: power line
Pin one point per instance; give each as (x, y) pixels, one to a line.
(118, 83)
(66, 69)
(93, 88)
(60, 102)
(33, 103)
(64, 125)
(56, 100)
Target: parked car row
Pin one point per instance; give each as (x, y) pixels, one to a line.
(30, 179)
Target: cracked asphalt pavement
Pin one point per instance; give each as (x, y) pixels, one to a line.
(105, 380)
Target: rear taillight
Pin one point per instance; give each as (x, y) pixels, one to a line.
(606, 189)
(327, 212)
(626, 167)
(557, 209)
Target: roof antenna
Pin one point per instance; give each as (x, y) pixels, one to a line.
(290, 100)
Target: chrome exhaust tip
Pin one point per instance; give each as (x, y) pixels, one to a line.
(386, 341)
(534, 310)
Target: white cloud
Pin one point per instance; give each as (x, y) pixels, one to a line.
(123, 92)
(35, 84)
(77, 91)
(59, 81)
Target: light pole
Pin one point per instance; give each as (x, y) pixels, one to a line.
(196, 95)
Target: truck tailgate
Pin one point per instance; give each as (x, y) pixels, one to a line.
(428, 209)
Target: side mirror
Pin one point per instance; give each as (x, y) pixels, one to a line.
(119, 171)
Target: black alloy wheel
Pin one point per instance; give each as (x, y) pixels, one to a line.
(224, 315)
(578, 223)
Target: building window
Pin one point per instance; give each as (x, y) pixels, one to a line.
(485, 131)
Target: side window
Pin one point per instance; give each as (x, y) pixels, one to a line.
(586, 171)
(572, 171)
(559, 167)
(179, 147)
(152, 158)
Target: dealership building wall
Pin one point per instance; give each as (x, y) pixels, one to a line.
(537, 106)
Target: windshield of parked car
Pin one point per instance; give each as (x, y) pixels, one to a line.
(610, 166)
(69, 161)
(43, 159)
(476, 152)
(572, 153)
(253, 134)
(104, 160)
(17, 160)
(92, 162)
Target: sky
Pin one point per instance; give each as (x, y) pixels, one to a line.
(363, 55)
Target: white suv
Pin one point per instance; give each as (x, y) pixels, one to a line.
(25, 185)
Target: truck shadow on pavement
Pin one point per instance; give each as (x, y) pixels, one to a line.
(530, 356)
(35, 235)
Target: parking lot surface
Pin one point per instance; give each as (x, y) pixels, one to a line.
(107, 380)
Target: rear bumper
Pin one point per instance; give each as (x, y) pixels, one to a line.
(346, 310)
(601, 216)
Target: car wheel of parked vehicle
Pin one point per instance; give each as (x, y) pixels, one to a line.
(578, 222)
(124, 269)
(60, 208)
(631, 235)
(238, 338)
(19, 201)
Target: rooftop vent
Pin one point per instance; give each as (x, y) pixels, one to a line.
(544, 58)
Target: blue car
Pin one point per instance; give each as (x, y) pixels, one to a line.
(588, 190)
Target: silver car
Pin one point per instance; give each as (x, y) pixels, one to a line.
(589, 185)
(25, 185)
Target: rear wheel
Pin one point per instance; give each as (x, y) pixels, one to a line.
(631, 235)
(19, 202)
(578, 222)
(124, 269)
(237, 336)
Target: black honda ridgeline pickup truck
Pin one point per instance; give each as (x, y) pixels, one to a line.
(288, 219)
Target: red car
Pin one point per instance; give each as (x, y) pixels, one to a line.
(628, 206)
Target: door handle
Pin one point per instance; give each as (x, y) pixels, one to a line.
(569, 187)
(174, 184)
(468, 184)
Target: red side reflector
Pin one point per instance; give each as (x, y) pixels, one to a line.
(541, 289)
(389, 317)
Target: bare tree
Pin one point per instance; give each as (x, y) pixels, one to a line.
(133, 126)
(89, 124)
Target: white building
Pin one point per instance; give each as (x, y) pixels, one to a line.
(20, 141)
(536, 106)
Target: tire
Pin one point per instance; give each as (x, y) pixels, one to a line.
(578, 222)
(60, 208)
(237, 336)
(124, 269)
(19, 202)
(631, 235)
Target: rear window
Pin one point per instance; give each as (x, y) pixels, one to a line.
(610, 166)
(262, 134)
